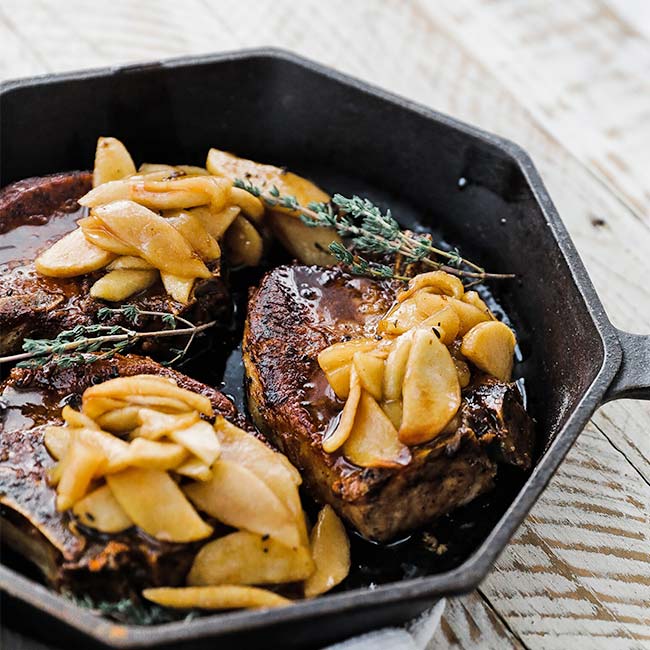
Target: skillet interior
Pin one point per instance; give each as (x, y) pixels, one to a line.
(431, 172)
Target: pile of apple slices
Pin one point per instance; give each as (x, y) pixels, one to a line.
(167, 222)
(142, 452)
(402, 384)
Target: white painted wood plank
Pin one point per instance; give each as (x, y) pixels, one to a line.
(579, 69)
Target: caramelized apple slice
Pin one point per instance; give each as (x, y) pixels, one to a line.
(330, 548)
(114, 450)
(244, 244)
(431, 392)
(393, 410)
(154, 424)
(401, 318)
(339, 380)
(490, 346)
(437, 281)
(180, 289)
(129, 262)
(395, 368)
(332, 441)
(72, 255)
(119, 420)
(244, 558)
(237, 497)
(370, 368)
(215, 597)
(216, 222)
(468, 314)
(156, 455)
(472, 298)
(76, 419)
(147, 385)
(194, 468)
(154, 239)
(199, 439)
(156, 504)
(112, 161)
(340, 354)
(373, 441)
(444, 324)
(191, 227)
(80, 463)
(98, 234)
(101, 511)
(122, 283)
(250, 205)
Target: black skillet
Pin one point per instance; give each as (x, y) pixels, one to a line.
(481, 191)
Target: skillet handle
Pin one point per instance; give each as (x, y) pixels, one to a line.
(632, 380)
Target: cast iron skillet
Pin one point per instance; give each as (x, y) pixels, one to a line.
(480, 190)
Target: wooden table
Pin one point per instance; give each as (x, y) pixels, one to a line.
(570, 81)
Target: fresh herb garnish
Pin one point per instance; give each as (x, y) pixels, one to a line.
(82, 343)
(367, 230)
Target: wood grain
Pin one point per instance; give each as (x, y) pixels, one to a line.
(569, 82)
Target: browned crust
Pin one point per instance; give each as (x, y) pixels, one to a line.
(282, 339)
(71, 558)
(35, 306)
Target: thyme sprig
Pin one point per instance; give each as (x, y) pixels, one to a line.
(82, 343)
(368, 230)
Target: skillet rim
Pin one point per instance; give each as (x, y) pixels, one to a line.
(424, 589)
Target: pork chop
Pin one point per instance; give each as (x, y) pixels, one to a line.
(296, 312)
(34, 213)
(71, 558)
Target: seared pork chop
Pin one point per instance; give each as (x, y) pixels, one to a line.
(296, 312)
(71, 558)
(36, 212)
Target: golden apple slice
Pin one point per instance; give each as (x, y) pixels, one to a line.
(393, 410)
(370, 368)
(331, 552)
(472, 298)
(95, 407)
(244, 244)
(444, 323)
(98, 234)
(122, 283)
(216, 222)
(154, 424)
(273, 468)
(215, 597)
(127, 388)
(401, 318)
(80, 463)
(237, 497)
(468, 313)
(72, 255)
(112, 161)
(339, 380)
(154, 239)
(250, 205)
(116, 451)
(157, 505)
(430, 392)
(395, 367)
(120, 420)
(244, 558)
(436, 281)
(194, 468)
(490, 346)
(100, 510)
(464, 374)
(193, 170)
(199, 439)
(156, 455)
(180, 289)
(76, 419)
(340, 354)
(191, 227)
(129, 262)
(373, 441)
(335, 439)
